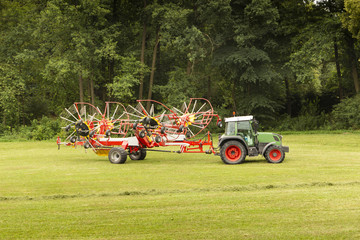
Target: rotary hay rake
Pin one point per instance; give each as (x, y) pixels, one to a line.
(106, 132)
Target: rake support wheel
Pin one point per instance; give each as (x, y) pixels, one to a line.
(117, 155)
(139, 155)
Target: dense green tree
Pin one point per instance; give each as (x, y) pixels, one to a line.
(351, 21)
(129, 75)
(291, 21)
(325, 57)
(18, 68)
(189, 39)
(68, 36)
(261, 57)
(351, 17)
(245, 60)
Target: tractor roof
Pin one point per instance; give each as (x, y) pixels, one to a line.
(239, 118)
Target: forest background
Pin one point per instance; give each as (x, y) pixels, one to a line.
(293, 64)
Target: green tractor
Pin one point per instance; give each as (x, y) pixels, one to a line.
(241, 138)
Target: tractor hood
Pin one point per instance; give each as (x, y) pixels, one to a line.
(267, 137)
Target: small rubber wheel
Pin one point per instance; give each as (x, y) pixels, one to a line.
(233, 152)
(92, 134)
(117, 155)
(162, 131)
(87, 145)
(73, 139)
(181, 129)
(138, 155)
(158, 139)
(142, 134)
(108, 133)
(274, 154)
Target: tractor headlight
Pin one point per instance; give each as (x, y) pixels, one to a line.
(277, 137)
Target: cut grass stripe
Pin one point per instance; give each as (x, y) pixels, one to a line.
(154, 192)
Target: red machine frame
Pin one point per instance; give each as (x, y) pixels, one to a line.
(149, 131)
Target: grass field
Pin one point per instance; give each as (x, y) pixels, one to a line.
(69, 194)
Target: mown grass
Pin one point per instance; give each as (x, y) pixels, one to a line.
(67, 194)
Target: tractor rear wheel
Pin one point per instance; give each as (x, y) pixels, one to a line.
(138, 155)
(274, 154)
(233, 152)
(117, 155)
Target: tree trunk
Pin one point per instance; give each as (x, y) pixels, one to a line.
(355, 75)
(353, 62)
(338, 68)
(209, 88)
(233, 96)
(81, 93)
(142, 57)
(142, 60)
(81, 88)
(153, 69)
(288, 97)
(114, 15)
(91, 90)
(188, 68)
(111, 70)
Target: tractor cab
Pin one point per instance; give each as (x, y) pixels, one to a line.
(244, 126)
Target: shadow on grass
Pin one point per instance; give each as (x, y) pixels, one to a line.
(154, 160)
(255, 161)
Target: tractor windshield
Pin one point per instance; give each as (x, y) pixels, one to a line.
(230, 128)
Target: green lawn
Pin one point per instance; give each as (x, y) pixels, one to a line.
(69, 194)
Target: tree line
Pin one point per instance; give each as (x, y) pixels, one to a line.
(270, 58)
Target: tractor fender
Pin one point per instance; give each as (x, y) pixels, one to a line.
(223, 140)
(266, 147)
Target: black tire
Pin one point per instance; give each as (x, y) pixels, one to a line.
(73, 139)
(274, 154)
(158, 139)
(107, 133)
(233, 152)
(87, 145)
(139, 155)
(117, 155)
(92, 134)
(162, 130)
(142, 134)
(181, 129)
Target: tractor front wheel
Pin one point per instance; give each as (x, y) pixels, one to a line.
(233, 152)
(274, 154)
(117, 155)
(138, 155)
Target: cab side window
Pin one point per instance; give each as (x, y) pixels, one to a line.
(243, 126)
